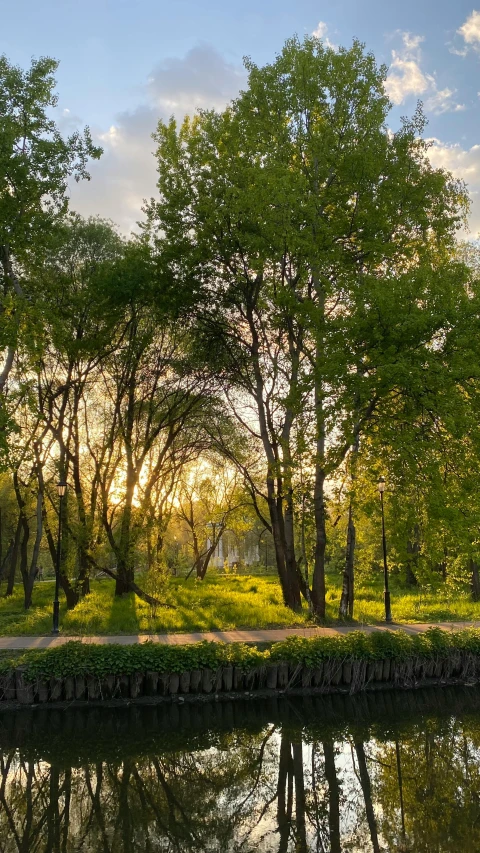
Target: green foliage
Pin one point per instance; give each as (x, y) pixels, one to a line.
(36, 164)
(35, 160)
(379, 645)
(155, 582)
(327, 242)
(78, 659)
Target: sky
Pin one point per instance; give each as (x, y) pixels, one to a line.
(124, 64)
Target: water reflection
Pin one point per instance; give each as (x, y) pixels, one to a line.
(392, 772)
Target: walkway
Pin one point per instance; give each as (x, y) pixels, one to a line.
(261, 636)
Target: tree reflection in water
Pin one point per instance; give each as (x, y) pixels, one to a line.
(399, 772)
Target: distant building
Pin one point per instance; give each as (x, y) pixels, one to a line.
(235, 549)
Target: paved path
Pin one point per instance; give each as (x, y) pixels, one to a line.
(260, 636)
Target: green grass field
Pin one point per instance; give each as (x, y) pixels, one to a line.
(218, 603)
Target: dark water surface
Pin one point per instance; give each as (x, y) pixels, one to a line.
(379, 772)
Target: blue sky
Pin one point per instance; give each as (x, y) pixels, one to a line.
(126, 63)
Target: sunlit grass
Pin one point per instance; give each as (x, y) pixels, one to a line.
(214, 604)
(220, 603)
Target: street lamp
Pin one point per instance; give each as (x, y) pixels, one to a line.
(386, 593)
(61, 489)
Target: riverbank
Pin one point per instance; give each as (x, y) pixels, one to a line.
(349, 663)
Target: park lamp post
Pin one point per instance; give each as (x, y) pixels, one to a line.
(386, 593)
(61, 489)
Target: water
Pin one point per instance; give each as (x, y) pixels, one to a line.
(379, 772)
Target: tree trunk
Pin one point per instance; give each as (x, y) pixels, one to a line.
(333, 796)
(25, 529)
(413, 550)
(475, 580)
(288, 581)
(14, 559)
(71, 594)
(318, 582)
(125, 567)
(6, 559)
(123, 579)
(24, 562)
(84, 577)
(348, 588)
(347, 597)
(287, 573)
(29, 579)
(85, 534)
(367, 795)
(296, 584)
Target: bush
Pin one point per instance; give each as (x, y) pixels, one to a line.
(154, 582)
(78, 659)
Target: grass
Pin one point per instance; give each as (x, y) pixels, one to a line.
(215, 604)
(220, 603)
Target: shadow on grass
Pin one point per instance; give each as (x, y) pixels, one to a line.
(122, 617)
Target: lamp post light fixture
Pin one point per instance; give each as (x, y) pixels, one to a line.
(386, 593)
(61, 489)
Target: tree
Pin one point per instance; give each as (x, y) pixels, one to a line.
(79, 329)
(36, 163)
(322, 245)
(208, 501)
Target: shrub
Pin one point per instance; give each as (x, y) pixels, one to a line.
(78, 659)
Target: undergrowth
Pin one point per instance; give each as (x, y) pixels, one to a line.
(78, 659)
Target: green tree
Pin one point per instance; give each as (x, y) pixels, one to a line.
(321, 247)
(36, 163)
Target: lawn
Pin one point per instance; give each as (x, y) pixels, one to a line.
(219, 603)
(215, 604)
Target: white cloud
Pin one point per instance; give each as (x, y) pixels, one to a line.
(202, 79)
(463, 163)
(321, 32)
(412, 43)
(407, 79)
(470, 30)
(126, 173)
(441, 102)
(458, 51)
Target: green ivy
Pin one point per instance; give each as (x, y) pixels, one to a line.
(78, 659)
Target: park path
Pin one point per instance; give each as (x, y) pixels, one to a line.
(253, 636)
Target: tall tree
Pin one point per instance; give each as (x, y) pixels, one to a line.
(321, 244)
(36, 163)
